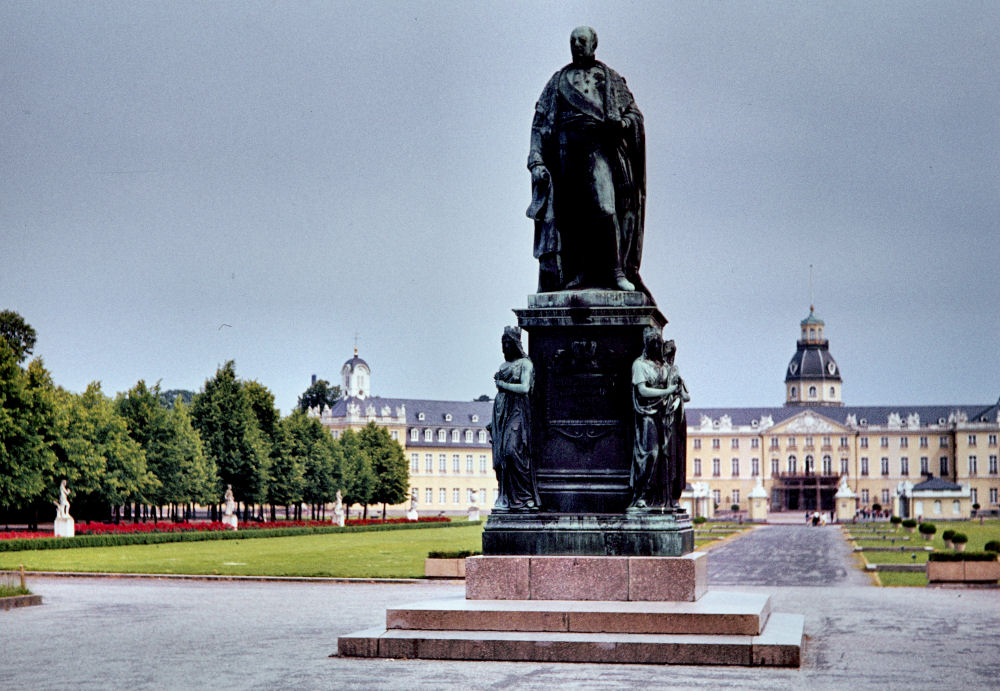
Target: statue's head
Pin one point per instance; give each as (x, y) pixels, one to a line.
(651, 342)
(583, 44)
(511, 343)
(669, 351)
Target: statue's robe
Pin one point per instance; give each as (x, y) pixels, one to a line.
(597, 169)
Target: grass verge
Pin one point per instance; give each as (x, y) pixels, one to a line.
(381, 554)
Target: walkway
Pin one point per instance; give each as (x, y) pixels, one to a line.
(786, 555)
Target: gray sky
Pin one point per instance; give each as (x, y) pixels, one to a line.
(303, 171)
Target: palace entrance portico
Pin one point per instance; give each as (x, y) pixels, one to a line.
(803, 492)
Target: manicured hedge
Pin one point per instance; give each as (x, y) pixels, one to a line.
(697, 520)
(18, 545)
(895, 520)
(962, 556)
(910, 523)
(992, 546)
(927, 529)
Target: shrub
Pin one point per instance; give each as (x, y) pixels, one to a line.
(927, 528)
(876, 507)
(992, 546)
(895, 520)
(910, 523)
(452, 554)
(962, 556)
(735, 507)
(698, 520)
(959, 538)
(947, 535)
(975, 507)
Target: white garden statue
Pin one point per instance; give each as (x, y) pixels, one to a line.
(474, 506)
(229, 516)
(64, 525)
(412, 515)
(338, 510)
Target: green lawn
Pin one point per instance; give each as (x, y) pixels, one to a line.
(895, 580)
(896, 557)
(385, 554)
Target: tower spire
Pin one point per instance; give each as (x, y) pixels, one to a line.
(811, 300)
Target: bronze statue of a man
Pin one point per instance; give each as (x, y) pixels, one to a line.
(588, 176)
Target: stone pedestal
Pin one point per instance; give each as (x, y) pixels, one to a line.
(412, 515)
(474, 513)
(338, 518)
(230, 520)
(758, 509)
(64, 527)
(622, 534)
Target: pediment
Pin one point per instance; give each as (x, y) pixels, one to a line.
(808, 422)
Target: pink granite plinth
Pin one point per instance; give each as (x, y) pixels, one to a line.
(587, 578)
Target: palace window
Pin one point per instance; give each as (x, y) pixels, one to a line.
(468, 436)
(973, 465)
(716, 444)
(456, 463)
(809, 442)
(791, 465)
(794, 392)
(833, 392)
(468, 495)
(394, 434)
(414, 463)
(993, 495)
(482, 463)
(429, 463)
(774, 442)
(885, 497)
(943, 465)
(993, 465)
(826, 442)
(864, 497)
(455, 436)
(904, 442)
(844, 466)
(456, 497)
(810, 466)
(696, 444)
(827, 465)
(972, 440)
(885, 465)
(937, 507)
(923, 442)
(843, 442)
(791, 442)
(428, 435)
(696, 467)
(443, 495)
(414, 434)
(447, 417)
(973, 496)
(716, 467)
(812, 392)
(774, 466)
(904, 466)
(992, 440)
(420, 416)
(736, 496)
(755, 467)
(736, 467)
(925, 465)
(755, 443)
(864, 466)
(468, 463)
(735, 443)
(884, 442)
(482, 436)
(943, 442)
(864, 442)
(717, 496)
(475, 418)
(443, 463)
(429, 495)
(442, 435)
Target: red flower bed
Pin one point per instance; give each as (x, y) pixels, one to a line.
(97, 528)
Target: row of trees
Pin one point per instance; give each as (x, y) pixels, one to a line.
(144, 450)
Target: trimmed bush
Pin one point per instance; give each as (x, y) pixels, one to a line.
(946, 535)
(18, 545)
(698, 520)
(992, 546)
(909, 523)
(895, 520)
(452, 554)
(962, 556)
(927, 529)
(959, 538)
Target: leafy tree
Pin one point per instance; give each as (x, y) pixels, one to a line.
(482, 399)
(26, 429)
(319, 393)
(224, 417)
(358, 479)
(105, 467)
(392, 472)
(17, 333)
(287, 471)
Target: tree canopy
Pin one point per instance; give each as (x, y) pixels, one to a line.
(320, 394)
(17, 334)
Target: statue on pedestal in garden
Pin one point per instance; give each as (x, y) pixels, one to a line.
(588, 176)
(510, 428)
(674, 425)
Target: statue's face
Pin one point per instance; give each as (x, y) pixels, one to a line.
(582, 43)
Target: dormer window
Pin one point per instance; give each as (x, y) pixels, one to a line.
(482, 436)
(442, 435)
(428, 435)
(468, 436)
(414, 434)
(420, 416)
(447, 417)
(455, 435)
(475, 418)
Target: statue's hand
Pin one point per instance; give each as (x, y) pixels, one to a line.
(540, 175)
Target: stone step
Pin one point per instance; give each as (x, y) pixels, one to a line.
(717, 612)
(779, 644)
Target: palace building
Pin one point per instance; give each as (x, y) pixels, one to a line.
(935, 461)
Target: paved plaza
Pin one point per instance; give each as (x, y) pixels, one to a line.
(167, 634)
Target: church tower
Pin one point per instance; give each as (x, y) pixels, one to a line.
(356, 378)
(812, 377)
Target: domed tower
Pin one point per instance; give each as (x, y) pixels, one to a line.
(812, 377)
(356, 378)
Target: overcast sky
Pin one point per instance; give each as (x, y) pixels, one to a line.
(184, 183)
